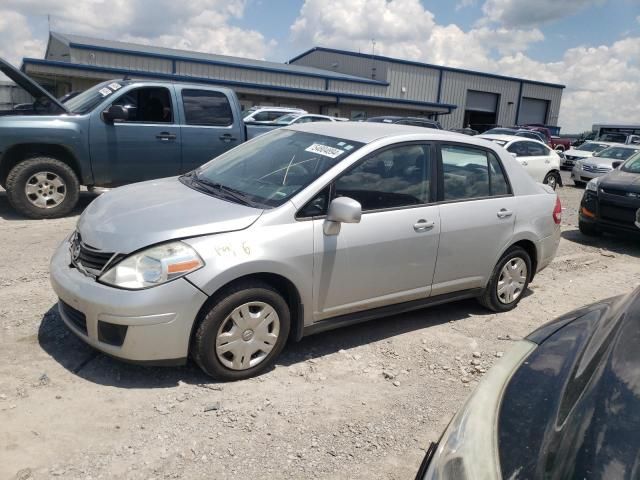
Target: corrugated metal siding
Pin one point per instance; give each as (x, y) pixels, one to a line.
(554, 95)
(11, 95)
(360, 67)
(421, 83)
(454, 90)
(191, 69)
(119, 60)
(56, 50)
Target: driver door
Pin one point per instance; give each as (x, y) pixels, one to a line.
(389, 257)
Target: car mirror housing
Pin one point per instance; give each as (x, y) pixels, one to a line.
(115, 112)
(341, 210)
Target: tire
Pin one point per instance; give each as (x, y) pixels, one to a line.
(56, 199)
(218, 330)
(588, 229)
(579, 184)
(490, 298)
(552, 179)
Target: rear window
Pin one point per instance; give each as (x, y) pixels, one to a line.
(204, 107)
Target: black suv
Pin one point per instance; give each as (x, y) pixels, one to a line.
(415, 121)
(611, 202)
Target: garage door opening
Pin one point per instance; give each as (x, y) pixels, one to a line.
(533, 110)
(481, 110)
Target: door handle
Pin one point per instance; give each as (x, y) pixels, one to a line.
(166, 136)
(227, 138)
(504, 213)
(422, 225)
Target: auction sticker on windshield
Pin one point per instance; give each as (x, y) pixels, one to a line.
(324, 150)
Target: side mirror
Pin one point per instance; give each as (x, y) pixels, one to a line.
(341, 210)
(616, 164)
(115, 112)
(513, 154)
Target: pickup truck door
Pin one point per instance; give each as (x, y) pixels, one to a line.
(211, 124)
(143, 147)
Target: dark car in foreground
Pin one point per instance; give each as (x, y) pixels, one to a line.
(564, 403)
(610, 202)
(413, 121)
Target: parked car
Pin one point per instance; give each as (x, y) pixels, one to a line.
(96, 138)
(294, 119)
(303, 229)
(542, 163)
(465, 131)
(610, 202)
(600, 163)
(267, 114)
(415, 121)
(518, 132)
(562, 403)
(584, 150)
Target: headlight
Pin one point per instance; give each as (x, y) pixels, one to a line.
(592, 186)
(153, 266)
(468, 449)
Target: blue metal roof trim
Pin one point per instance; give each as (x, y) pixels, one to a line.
(203, 61)
(421, 64)
(189, 79)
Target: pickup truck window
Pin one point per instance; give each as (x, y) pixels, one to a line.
(203, 107)
(147, 105)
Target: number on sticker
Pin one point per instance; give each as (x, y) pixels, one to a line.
(324, 150)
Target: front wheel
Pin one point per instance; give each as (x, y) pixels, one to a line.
(42, 187)
(552, 179)
(508, 282)
(243, 332)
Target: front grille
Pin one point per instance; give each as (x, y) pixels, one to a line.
(618, 214)
(88, 258)
(76, 317)
(621, 193)
(595, 168)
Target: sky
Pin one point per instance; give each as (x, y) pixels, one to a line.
(591, 46)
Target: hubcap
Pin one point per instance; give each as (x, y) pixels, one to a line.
(247, 335)
(45, 190)
(513, 278)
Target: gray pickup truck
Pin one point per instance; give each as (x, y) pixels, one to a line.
(117, 132)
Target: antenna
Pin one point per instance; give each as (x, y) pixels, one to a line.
(49, 22)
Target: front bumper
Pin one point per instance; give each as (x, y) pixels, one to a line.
(610, 213)
(158, 320)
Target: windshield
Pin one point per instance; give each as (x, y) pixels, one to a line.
(529, 135)
(632, 165)
(591, 147)
(286, 119)
(90, 99)
(270, 169)
(617, 153)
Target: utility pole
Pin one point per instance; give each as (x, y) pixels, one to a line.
(373, 59)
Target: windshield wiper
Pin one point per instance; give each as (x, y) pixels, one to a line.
(218, 188)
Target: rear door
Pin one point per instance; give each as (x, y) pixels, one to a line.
(539, 160)
(477, 215)
(145, 146)
(209, 127)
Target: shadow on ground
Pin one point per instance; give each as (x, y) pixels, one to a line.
(8, 213)
(82, 360)
(619, 244)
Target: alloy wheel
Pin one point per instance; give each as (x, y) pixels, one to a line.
(45, 190)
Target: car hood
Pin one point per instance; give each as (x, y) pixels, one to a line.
(621, 180)
(142, 214)
(578, 153)
(572, 410)
(29, 85)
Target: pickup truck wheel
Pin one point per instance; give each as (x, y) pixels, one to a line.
(43, 187)
(508, 282)
(243, 332)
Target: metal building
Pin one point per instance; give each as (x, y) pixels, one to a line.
(321, 80)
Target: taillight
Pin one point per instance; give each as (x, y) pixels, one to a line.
(557, 211)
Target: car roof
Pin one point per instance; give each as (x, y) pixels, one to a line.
(367, 132)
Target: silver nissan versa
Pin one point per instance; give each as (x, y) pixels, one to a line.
(303, 229)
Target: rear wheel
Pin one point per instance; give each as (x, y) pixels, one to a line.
(243, 332)
(552, 179)
(588, 229)
(508, 282)
(42, 187)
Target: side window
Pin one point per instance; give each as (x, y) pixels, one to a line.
(316, 207)
(519, 148)
(535, 149)
(319, 119)
(204, 107)
(304, 120)
(466, 172)
(273, 115)
(147, 104)
(396, 177)
(262, 117)
(499, 185)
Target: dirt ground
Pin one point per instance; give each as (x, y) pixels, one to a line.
(358, 403)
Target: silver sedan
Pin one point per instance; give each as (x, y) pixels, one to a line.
(304, 229)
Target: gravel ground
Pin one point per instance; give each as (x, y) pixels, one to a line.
(358, 403)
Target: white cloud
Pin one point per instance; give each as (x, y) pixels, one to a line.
(523, 13)
(15, 32)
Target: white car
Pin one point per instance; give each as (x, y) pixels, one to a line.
(268, 114)
(586, 150)
(541, 162)
(601, 163)
(295, 118)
